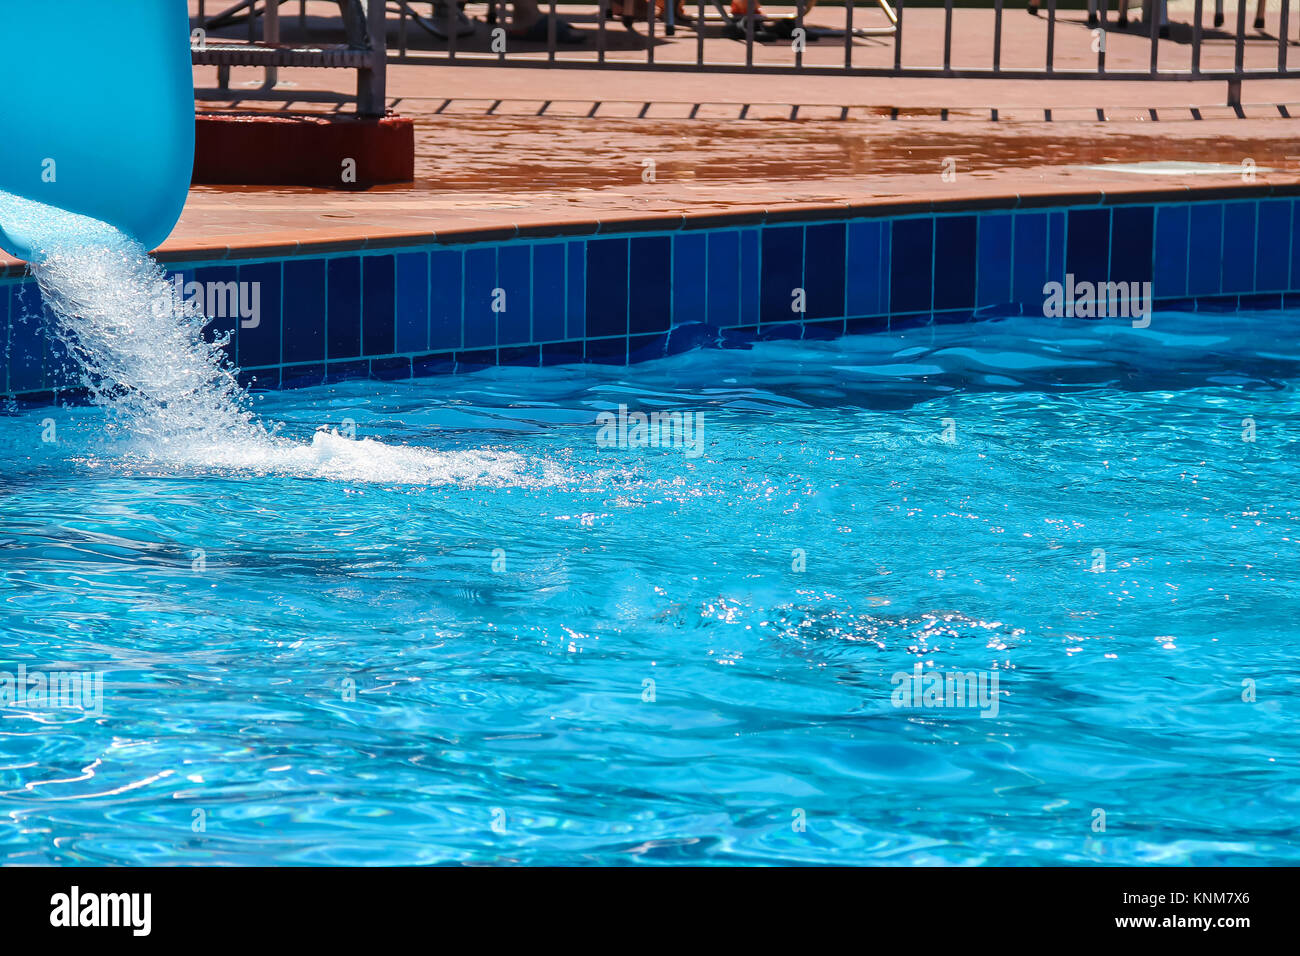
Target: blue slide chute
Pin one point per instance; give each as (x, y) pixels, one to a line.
(96, 116)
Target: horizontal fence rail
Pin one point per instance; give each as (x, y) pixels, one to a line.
(863, 38)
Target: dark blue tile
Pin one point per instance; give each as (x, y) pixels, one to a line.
(475, 360)
(435, 363)
(911, 267)
(446, 300)
(782, 273)
(723, 280)
(910, 320)
(1238, 247)
(220, 286)
(548, 292)
(740, 338)
(1170, 272)
(865, 282)
(954, 262)
(693, 335)
(1056, 247)
(1132, 244)
(514, 275)
(390, 369)
(824, 330)
(575, 305)
(259, 336)
(562, 353)
(302, 376)
(646, 348)
(607, 287)
(343, 371)
(959, 316)
(1260, 302)
(1224, 304)
(411, 318)
(1087, 245)
(1273, 245)
(481, 296)
(303, 338)
(650, 285)
(993, 278)
(824, 257)
(1029, 259)
(866, 325)
(378, 334)
(690, 257)
(779, 331)
(529, 356)
(1205, 247)
(4, 335)
(1295, 248)
(751, 270)
(343, 328)
(606, 351)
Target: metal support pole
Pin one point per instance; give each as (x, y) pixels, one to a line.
(372, 93)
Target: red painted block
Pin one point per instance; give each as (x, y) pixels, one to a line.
(333, 152)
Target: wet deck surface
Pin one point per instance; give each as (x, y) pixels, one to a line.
(508, 147)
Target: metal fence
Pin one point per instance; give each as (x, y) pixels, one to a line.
(895, 42)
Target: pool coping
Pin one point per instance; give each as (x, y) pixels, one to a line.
(673, 222)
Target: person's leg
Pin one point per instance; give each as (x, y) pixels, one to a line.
(1259, 14)
(1218, 13)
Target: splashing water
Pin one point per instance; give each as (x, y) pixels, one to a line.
(170, 394)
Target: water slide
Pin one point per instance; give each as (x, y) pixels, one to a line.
(96, 117)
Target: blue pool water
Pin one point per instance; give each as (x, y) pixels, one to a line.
(438, 648)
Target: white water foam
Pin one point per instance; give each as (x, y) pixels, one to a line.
(172, 398)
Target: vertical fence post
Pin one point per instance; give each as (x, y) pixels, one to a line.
(603, 14)
(1241, 36)
(798, 22)
(271, 34)
(898, 37)
(749, 33)
(372, 93)
(848, 34)
(1101, 36)
(947, 35)
(1155, 30)
(1196, 36)
(1051, 34)
(451, 30)
(650, 31)
(1281, 36)
(699, 34)
(997, 36)
(550, 32)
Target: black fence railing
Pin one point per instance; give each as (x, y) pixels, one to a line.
(865, 38)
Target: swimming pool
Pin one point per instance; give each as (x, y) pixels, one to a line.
(523, 639)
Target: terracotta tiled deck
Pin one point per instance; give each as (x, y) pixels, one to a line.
(507, 150)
